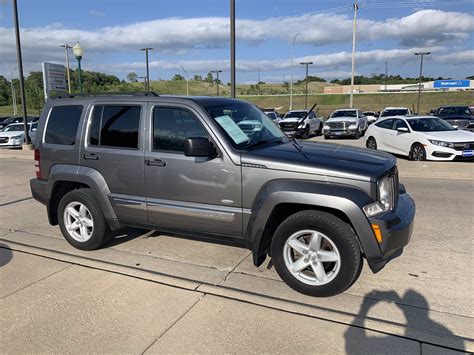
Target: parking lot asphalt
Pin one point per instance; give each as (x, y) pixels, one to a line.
(158, 293)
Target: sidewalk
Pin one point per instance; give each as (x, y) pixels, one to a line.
(53, 306)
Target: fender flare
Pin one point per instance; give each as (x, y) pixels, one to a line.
(346, 199)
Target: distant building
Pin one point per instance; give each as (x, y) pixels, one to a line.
(437, 85)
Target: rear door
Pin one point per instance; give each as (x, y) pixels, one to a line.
(384, 131)
(401, 141)
(113, 146)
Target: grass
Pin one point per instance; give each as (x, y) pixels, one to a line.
(326, 103)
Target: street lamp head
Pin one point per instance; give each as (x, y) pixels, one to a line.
(78, 50)
(146, 49)
(422, 53)
(306, 63)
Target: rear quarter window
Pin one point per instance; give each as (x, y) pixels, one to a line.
(62, 125)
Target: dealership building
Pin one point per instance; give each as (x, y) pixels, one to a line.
(437, 85)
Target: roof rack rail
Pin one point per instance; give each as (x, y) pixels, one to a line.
(117, 93)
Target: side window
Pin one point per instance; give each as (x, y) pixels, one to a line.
(172, 125)
(400, 123)
(115, 126)
(387, 124)
(62, 125)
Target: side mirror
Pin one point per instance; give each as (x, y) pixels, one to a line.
(402, 130)
(199, 147)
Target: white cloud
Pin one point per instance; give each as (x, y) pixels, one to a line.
(458, 57)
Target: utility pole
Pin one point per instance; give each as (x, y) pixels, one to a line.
(386, 75)
(356, 7)
(258, 81)
(146, 49)
(291, 71)
(422, 54)
(15, 109)
(27, 142)
(217, 80)
(306, 90)
(66, 49)
(186, 78)
(232, 50)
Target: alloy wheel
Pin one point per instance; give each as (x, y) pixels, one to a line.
(78, 221)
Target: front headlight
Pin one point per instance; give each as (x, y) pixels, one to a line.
(17, 137)
(326, 126)
(441, 143)
(384, 192)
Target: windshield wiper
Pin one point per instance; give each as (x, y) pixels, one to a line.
(256, 144)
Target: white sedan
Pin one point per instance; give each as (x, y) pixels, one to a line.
(12, 135)
(420, 138)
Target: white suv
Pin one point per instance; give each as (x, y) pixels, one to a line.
(345, 122)
(395, 111)
(292, 125)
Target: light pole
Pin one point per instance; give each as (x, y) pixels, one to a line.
(351, 100)
(15, 109)
(27, 142)
(232, 50)
(217, 80)
(186, 78)
(66, 49)
(306, 90)
(146, 49)
(78, 52)
(291, 71)
(422, 54)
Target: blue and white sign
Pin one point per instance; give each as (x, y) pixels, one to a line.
(451, 84)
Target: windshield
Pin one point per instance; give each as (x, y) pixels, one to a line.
(348, 113)
(244, 125)
(13, 128)
(445, 111)
(296, 114)
(395, 112)
(429, 124)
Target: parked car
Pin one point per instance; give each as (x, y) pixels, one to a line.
(420, 138)
(345, 122)
(291, 123)
(10, 120)
(458, 116)
(183, 165)
(273, 115)
(12, 136)
(371, 117)
(395, 111)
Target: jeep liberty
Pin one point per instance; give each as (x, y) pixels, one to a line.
(183, 165)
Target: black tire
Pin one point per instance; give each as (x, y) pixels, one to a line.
(340, 234)
(101, 233)
(319, 130)
(357, 134)
(371, 143)
(327, 136)
(417, 152)
(306, 133)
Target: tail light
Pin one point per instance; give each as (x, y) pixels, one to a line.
(39, 176)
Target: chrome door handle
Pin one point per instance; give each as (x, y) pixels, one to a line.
(90, 156)
(155, 162)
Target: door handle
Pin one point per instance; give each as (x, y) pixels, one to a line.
(155, 162)
(90, 156)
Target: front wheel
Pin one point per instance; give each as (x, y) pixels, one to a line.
(417, 152)
(316, 253)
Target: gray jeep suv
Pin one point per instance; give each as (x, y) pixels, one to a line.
(183, 165)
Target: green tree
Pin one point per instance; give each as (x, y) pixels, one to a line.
(209, 78)
(132, 77)
(5, 91)
(197, 78)
(34, 91)
(178, 77)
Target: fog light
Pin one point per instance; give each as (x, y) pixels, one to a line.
(377, 232)
(373, 209)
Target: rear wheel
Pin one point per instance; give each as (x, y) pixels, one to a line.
(316, 253)
(306, 133)
(357, 134)
(319, 130)
(371, 143)
(327, 136)
(417, 152)
(81, 220)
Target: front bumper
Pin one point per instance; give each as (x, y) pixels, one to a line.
(434, 152)
(396, 227)
(339, 132)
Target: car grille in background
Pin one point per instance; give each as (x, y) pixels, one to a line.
(464, 146)
(458, 123)
(3, 139)
(288, 126)
(338, 125)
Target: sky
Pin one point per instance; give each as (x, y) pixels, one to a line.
(195, 35)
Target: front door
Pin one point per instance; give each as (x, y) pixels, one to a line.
(189, 193)
(113, 148)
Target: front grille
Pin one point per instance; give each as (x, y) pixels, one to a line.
(338, 125)
(464, 146)
(3, 139)
(458, 123)
(288, 126)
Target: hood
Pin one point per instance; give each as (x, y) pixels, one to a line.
(456, 117)
(342, 119)
(291, 119)
(11, 134)
(450, 136)
(325, 159)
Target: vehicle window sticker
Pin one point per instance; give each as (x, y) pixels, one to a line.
(232, 129)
